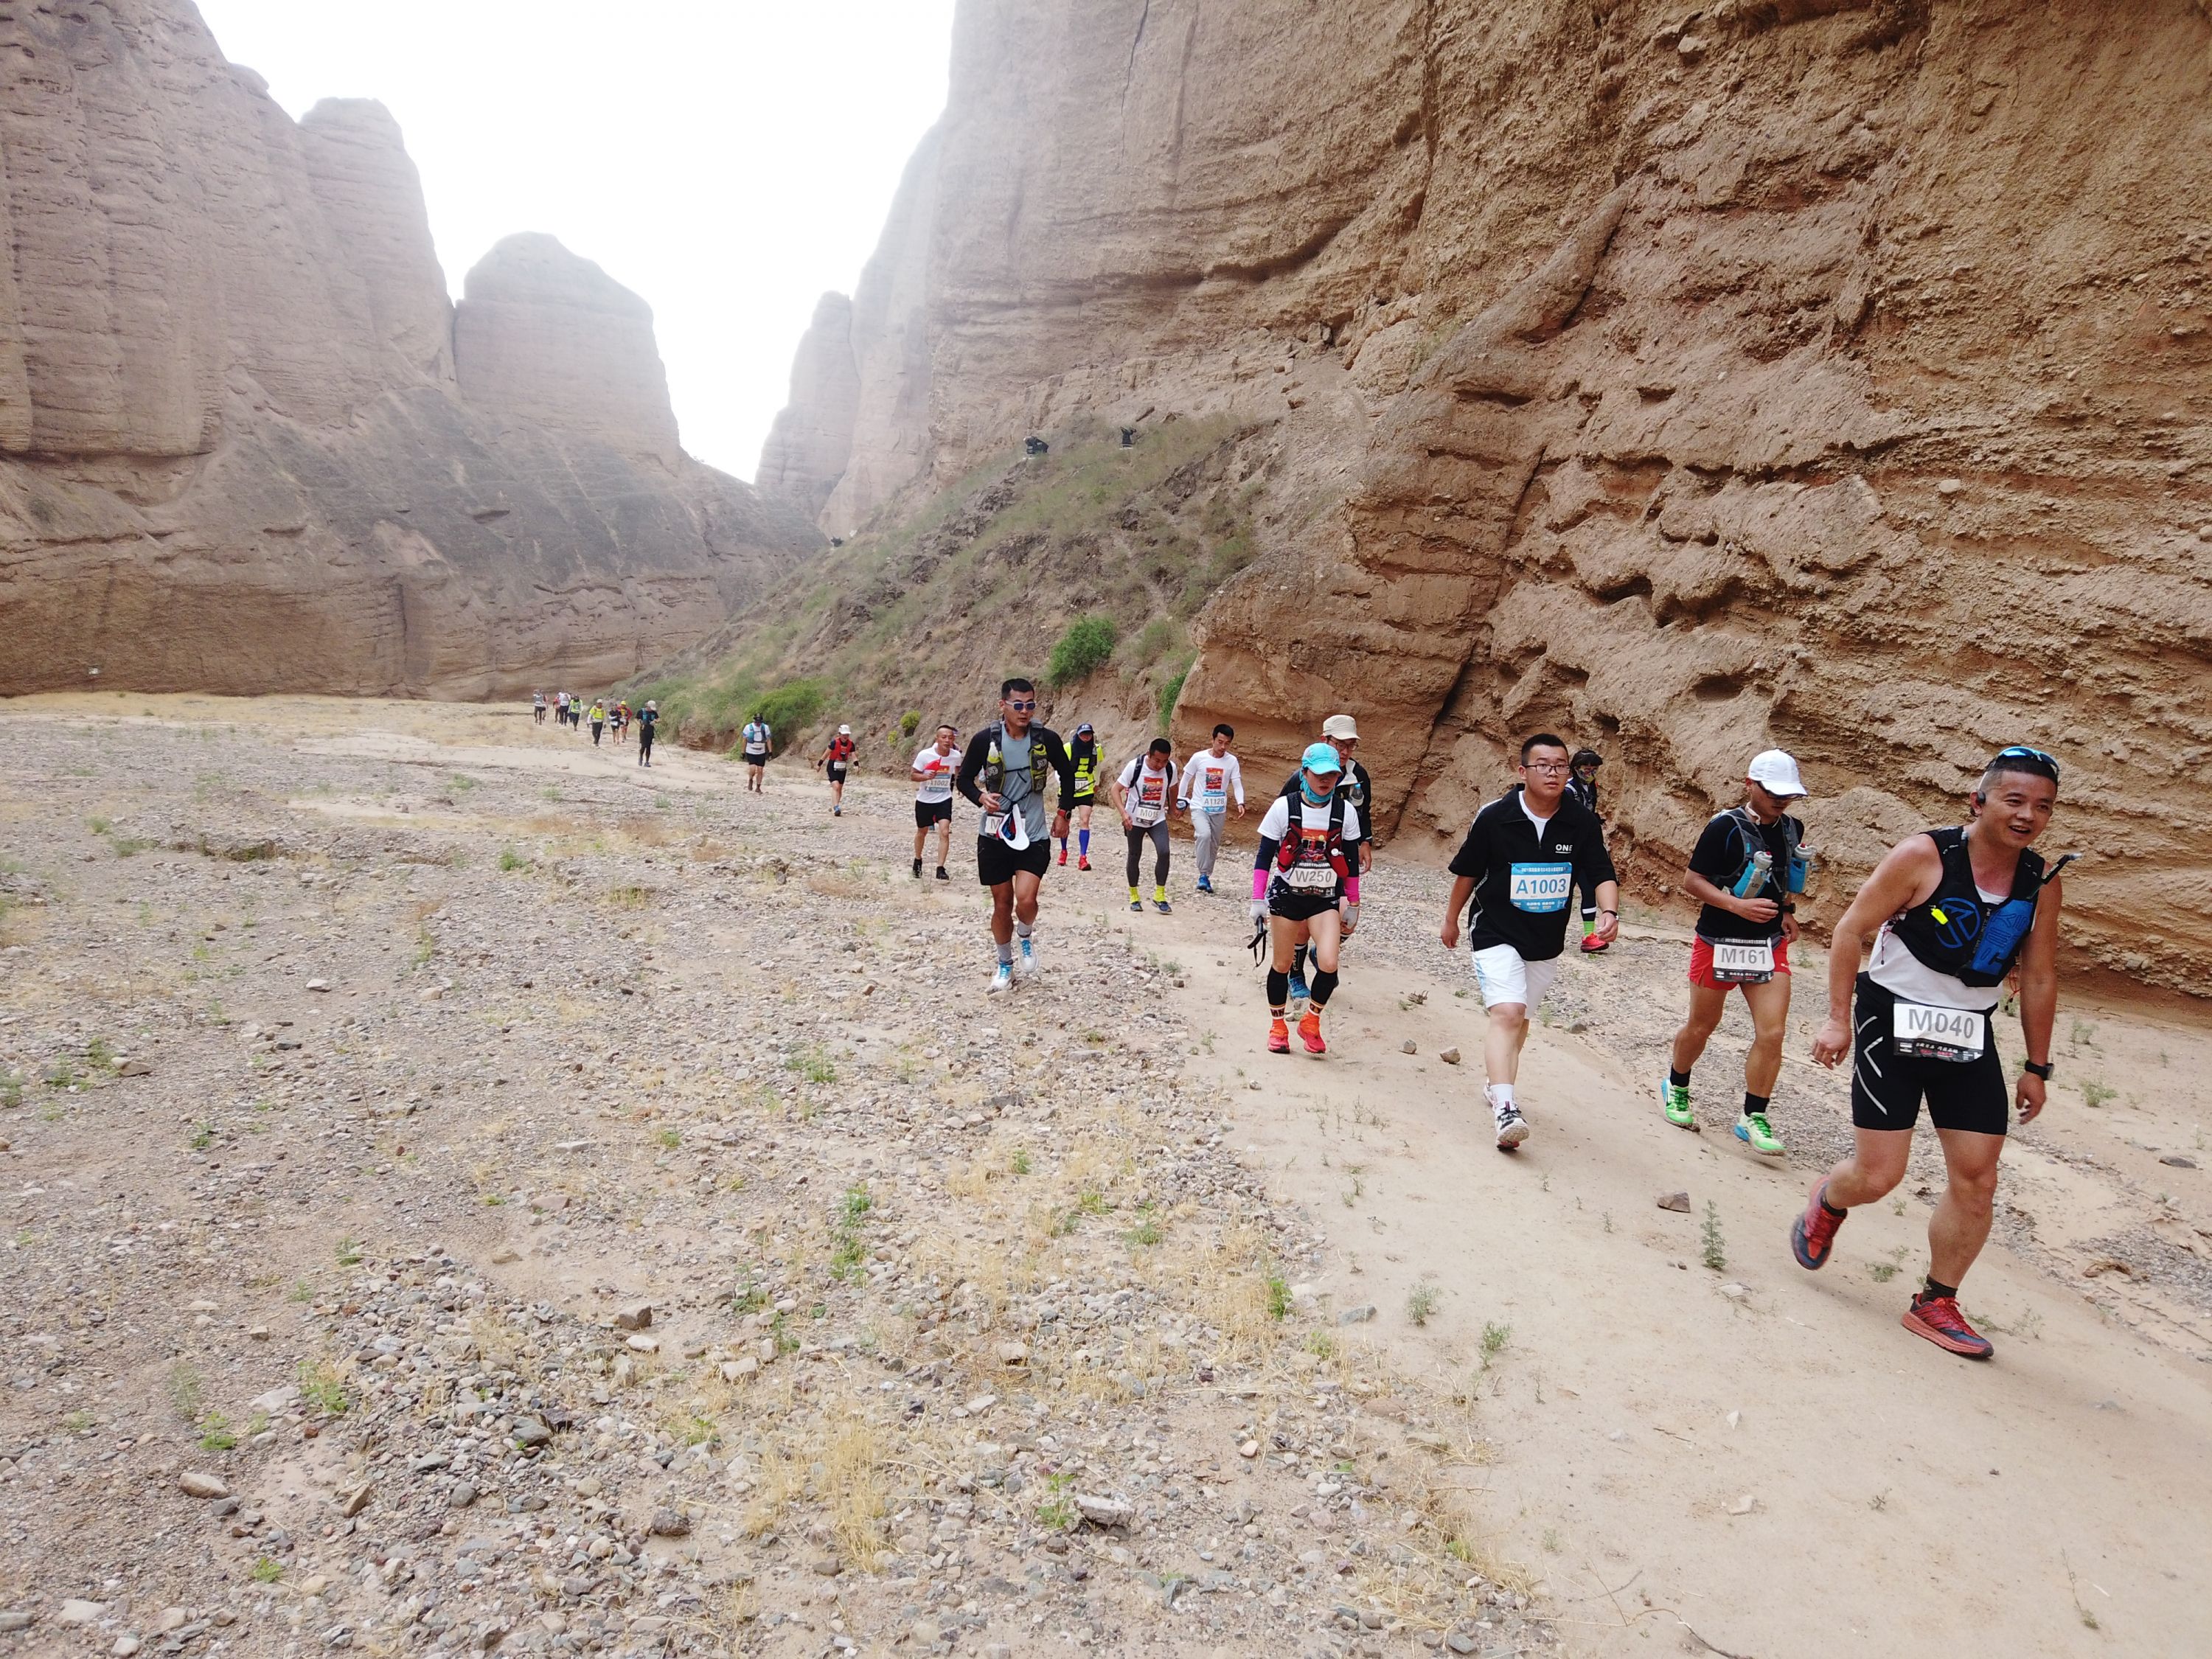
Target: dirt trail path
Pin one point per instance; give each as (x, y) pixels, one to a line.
(596, 1037)
(1760, 1453)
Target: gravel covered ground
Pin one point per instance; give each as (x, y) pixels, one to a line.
(463, 1190)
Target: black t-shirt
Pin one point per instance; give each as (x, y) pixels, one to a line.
(645, 719)
(1521, 882)
(1722, 852)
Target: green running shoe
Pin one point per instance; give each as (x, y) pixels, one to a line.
(1675, 1102)
(1752, 1130)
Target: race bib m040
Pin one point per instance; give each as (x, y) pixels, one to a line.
(1541, 889)
(1921, 1032)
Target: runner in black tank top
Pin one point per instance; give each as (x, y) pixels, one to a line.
(1951, 912)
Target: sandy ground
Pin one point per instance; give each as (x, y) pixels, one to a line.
(1745, 1459)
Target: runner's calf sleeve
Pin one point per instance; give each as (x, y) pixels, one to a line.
(1278, 989)
(1323, 987)
(1082, 843)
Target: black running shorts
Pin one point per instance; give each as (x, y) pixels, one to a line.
(996, 862)
(1887, 1089)
(926, 812)
(836, 771)
(1293, 906)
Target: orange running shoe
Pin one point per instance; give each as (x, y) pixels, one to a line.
(1938, 1319)
(1310, 1032)
(1813, 1235)
(1279, 1036)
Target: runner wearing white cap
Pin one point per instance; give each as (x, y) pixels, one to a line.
(1747, 870)
(838, 758)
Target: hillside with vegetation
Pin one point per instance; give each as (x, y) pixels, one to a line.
(1083, 568)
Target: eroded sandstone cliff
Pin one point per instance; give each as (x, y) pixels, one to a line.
(1827, 373)
(235, 454)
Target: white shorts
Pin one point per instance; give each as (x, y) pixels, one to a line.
(1502, 976)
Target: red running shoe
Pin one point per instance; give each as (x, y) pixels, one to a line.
(1938, 1319)
(1063, 856)
(1812, 1234)
(1084, 862)
(1309, 1031)
(1279, 1036)
(1592, 944)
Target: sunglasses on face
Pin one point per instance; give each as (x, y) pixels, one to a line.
(1031, 704)
(2040, 762)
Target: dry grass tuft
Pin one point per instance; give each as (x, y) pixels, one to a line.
(858, 1495)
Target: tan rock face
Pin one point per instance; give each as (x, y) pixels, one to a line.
(1785, 382)
(234, 455)
(545, 338)
(812, 442)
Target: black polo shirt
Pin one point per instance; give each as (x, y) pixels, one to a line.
(1523, 881)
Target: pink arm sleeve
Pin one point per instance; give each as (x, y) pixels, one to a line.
(1352, 890)
(1259, 886)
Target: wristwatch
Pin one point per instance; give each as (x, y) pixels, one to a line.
(2042, 1071)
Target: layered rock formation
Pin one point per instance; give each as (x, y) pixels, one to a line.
(234, 453)
(1828, 373)
(811, 444)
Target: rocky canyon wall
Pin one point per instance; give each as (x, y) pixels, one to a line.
(239, 451)
(1826, 372)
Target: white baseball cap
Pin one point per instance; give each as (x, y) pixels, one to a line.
(1340, 725)
(1775, 770)
(844, 730)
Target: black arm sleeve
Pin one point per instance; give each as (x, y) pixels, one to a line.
(1056, 752)
(1267, 850)
(971, 767)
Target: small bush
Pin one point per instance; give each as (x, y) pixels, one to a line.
(1081, 651)
(910, 722)
(1171, 693)
(793, 707)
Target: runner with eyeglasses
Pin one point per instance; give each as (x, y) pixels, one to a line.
(1522, 858)
(1006, 770)
(1952, 912)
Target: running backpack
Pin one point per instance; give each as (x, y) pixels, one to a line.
(1295, 833)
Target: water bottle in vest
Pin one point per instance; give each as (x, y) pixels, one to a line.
(1754, 873)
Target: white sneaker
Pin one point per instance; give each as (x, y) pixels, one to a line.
(1512, 1127)
(1003, 978)
(1026, 958)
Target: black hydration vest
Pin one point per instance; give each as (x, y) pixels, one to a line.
(1956, 931)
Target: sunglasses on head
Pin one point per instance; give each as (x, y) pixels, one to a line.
(2039, 762)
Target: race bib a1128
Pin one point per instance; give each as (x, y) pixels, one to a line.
(1541, 889)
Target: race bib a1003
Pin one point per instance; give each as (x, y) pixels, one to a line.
(1541, 889)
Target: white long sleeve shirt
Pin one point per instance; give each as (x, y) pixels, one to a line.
(1210, 781)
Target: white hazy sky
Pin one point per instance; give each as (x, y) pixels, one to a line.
(729, 160)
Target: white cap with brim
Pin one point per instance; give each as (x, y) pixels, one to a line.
(1341, 727)
(1775, 771)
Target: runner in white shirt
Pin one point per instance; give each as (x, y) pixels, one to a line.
(1142, 795)
(934, 769)
(1211, 781)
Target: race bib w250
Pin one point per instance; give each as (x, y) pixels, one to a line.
(1541, 889)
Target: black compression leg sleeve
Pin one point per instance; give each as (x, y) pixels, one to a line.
(1136, 840)
(1159, 855)
(1298, 962)
(1324, 988)
(1278, 989)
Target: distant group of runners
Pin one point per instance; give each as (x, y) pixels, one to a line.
(1951, 916)
(603, 714)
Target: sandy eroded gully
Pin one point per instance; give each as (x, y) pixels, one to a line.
(553, 1206)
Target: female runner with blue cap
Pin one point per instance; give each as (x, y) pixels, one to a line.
(1305, 888)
